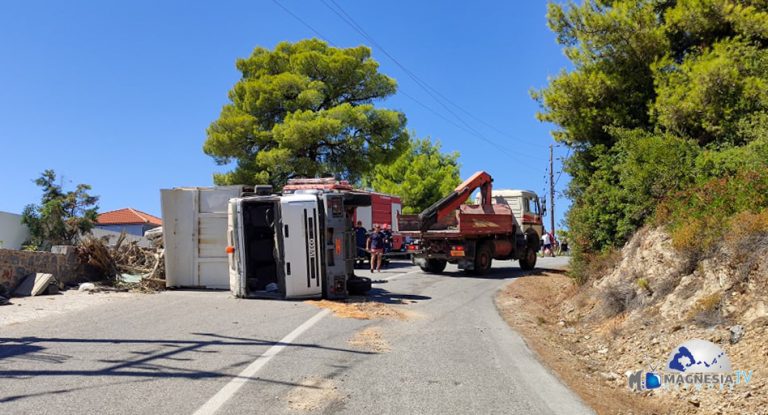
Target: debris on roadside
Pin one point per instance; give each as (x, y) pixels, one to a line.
(370, 339)
(126, 264)
(36, 284)
(368, 310)
(87, 287)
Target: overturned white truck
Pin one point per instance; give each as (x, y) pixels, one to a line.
(295, 246)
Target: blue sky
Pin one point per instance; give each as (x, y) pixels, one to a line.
(119, 94)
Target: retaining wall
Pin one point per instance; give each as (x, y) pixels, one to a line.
(15, 265)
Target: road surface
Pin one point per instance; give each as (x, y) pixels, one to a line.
(187, 352)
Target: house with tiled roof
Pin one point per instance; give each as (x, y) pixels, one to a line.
(132, 221)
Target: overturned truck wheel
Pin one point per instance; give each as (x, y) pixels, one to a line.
(358, 285)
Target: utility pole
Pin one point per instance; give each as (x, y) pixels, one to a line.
(551, 192)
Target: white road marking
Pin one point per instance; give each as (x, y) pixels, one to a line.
(401, 275)
(229, 390)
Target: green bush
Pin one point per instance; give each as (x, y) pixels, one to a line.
(701, 216)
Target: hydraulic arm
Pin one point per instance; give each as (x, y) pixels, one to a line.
(447, 205)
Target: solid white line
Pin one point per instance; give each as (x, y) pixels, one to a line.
(236, 383)
(401, 275)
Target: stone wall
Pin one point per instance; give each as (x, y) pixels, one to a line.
(15, 265)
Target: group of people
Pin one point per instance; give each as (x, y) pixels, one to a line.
(549, 245)
(376, 243)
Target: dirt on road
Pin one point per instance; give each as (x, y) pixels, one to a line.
(368, 310)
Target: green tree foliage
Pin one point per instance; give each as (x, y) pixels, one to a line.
(663, 95)
(421, 175)
(61, 216)
(710, 95)
(306, 109)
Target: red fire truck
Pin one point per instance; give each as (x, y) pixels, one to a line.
(384, 208)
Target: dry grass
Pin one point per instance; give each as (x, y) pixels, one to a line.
(748, 223)
(616, 300)
(586, 266)
(707, 310)
(645, 285)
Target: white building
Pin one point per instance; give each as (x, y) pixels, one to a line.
(12, 232)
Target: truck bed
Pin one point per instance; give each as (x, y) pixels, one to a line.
(469, 221)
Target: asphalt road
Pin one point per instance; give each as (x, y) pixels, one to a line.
(186, 352)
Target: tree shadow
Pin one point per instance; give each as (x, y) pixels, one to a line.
(162, 363)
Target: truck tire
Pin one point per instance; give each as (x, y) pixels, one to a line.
(528, 261)
(358, 285)
(433, 266)
(483, 259)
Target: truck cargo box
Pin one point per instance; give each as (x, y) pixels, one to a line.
(195, 235)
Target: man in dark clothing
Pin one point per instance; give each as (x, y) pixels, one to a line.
(387, 238)
(375, 245)
(361, 235)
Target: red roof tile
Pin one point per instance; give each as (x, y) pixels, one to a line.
(127, 216)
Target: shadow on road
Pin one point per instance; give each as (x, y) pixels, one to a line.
(145, 365)
(381, 295)
(504, 273)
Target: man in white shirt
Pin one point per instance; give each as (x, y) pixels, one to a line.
(546, 242)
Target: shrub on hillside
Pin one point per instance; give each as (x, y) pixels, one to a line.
(700, 217)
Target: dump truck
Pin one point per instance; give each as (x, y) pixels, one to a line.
(473, 235)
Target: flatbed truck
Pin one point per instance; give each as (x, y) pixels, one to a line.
(473, 235)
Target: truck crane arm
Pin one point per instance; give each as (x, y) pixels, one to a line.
(447, 205)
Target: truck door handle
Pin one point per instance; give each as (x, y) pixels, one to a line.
(288, 268)
(286, 231)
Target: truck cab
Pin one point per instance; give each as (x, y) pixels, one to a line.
(525, 205)
(274, 246)
(294, 246)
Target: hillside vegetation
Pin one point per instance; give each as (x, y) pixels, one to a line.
(666, 113)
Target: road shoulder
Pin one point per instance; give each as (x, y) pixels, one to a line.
(530, 305)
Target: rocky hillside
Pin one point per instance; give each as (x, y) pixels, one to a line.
(655, 297)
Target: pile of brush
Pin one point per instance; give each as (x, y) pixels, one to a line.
(124, 259)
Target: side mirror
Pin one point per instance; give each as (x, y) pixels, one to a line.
(543, 206)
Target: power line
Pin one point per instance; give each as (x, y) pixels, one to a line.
(343, 15)
(315, 31)
(466, 127)
(428, 88)
(561, 166)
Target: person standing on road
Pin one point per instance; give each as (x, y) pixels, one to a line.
(387, 237)
(361, 235)
(546, 242)
(375, 245)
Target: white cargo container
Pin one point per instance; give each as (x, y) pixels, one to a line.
(195, 235)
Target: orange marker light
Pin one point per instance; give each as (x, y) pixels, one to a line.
(230, 249)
